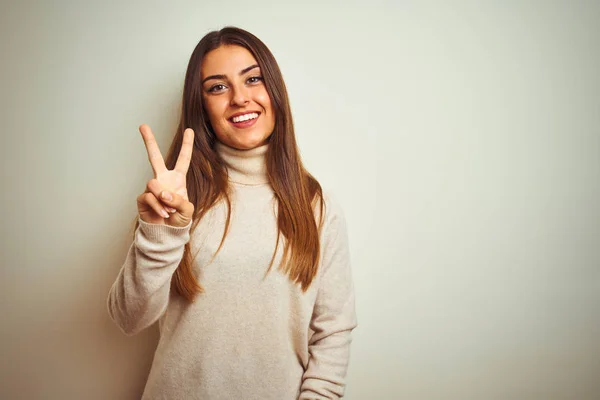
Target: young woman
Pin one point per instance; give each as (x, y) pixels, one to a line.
(237, 252)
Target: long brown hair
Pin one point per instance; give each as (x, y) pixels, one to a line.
(297, 192)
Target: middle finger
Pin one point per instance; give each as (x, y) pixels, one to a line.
(154, 156)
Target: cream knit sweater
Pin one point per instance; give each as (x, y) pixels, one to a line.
(250, 335)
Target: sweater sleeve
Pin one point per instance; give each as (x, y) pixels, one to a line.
(140, 294)
(334, 317)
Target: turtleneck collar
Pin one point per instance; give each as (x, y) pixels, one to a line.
(247, 167)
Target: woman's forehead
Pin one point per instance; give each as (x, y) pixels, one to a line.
(227, 60)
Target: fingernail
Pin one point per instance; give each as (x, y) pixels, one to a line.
(166, 195)
(164, 214)
(172, 210)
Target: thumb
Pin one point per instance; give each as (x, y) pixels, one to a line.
(176, 201)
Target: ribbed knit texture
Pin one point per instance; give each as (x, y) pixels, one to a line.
(250, 335)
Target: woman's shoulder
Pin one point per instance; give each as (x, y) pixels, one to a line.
(332, 208)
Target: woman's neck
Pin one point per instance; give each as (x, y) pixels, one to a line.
(247, 167)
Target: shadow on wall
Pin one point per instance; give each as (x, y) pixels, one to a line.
(73, 350)
(124, 361)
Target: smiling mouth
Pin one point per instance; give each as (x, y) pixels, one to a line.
(244, 117)
(244, 121)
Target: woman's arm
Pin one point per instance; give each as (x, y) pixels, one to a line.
(334, 315)
(140, 294)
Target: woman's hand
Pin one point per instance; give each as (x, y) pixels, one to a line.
(155, 206)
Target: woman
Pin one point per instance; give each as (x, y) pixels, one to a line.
(237, 252)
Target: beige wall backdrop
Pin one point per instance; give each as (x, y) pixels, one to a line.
(462, 139)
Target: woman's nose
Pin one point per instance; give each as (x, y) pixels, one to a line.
(240, 96)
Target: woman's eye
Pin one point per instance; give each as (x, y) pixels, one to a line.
(255, 79)
(216, 88)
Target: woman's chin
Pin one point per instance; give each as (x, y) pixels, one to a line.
(247, 143)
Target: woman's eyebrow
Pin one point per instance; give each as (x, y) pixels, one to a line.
(242, 72)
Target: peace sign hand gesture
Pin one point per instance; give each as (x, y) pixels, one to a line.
(165, 200)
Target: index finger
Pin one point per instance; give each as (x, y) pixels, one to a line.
(156, 160)
(185, 154)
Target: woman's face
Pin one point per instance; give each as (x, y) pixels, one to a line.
(235, 98)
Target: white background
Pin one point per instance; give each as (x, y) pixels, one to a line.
(461, 138)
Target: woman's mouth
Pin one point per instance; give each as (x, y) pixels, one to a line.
(244, 120)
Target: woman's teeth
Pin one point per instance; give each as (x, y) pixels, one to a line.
(245, 117)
